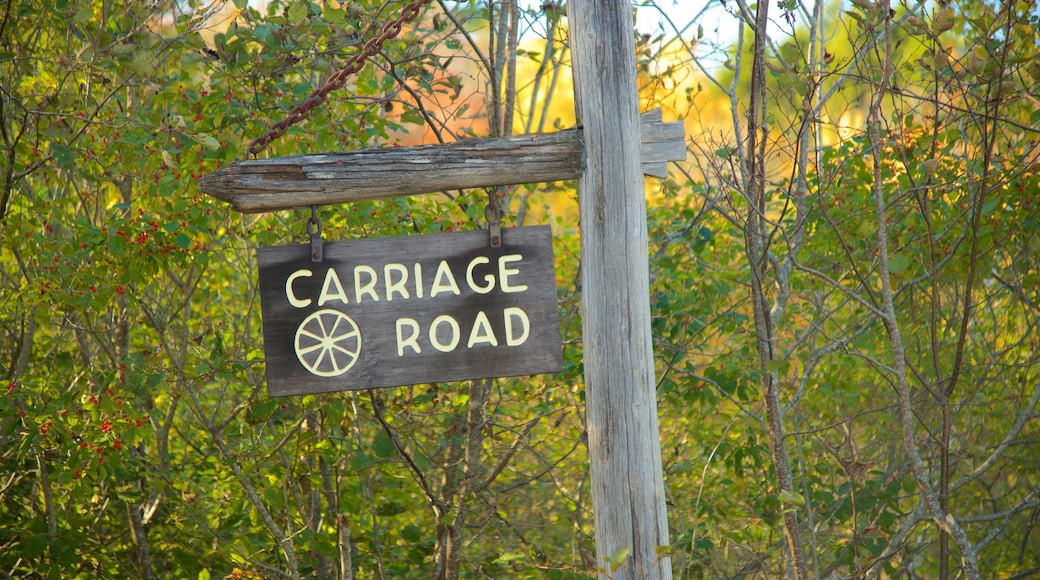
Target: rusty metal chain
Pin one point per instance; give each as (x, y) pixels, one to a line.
(390, 30)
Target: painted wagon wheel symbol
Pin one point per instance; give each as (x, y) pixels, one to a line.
(328, 343)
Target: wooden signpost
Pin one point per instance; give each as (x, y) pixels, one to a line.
(474, 329)
(628, 499)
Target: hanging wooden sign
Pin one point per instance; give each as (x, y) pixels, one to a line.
(409, 310)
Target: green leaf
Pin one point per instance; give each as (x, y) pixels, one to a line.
(298, 11)
(791, 53)
(63, 155)
(208, 141)
(33, 545)
(510, 557)
(616, 560)
(333, 15)
(383, 446)
(790, 497)
(412, 533)
(84, 13)
(143, 62)
(897, 263)
(360, 461)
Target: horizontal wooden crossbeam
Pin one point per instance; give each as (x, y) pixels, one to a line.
(261, 185)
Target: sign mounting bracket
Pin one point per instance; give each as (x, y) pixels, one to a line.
(314, 231)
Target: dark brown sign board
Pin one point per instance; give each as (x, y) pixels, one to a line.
(387, 312)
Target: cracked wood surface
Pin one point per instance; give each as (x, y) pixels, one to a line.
(261, 185)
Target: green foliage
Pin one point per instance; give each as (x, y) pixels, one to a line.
(133, 415)
(135, 433)
(959, 180)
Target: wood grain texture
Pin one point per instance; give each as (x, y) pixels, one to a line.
(375, 354)
(261, 185)
(628, 499)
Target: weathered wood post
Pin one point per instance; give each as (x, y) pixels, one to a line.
(628, 499)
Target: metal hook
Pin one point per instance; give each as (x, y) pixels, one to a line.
(493, 215)
(495, 235)
(314, 230)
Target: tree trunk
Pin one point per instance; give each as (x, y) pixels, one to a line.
(757, 252)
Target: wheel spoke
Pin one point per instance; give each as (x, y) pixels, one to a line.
(335, 326)
(321, 324)
(310, 349)
(335, 361)
(350, 353)
(321, 357)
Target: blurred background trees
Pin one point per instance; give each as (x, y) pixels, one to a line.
(844, 289)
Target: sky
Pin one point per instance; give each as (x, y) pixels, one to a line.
(651, 15)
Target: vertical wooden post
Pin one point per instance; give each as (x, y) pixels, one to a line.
(628, 498)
